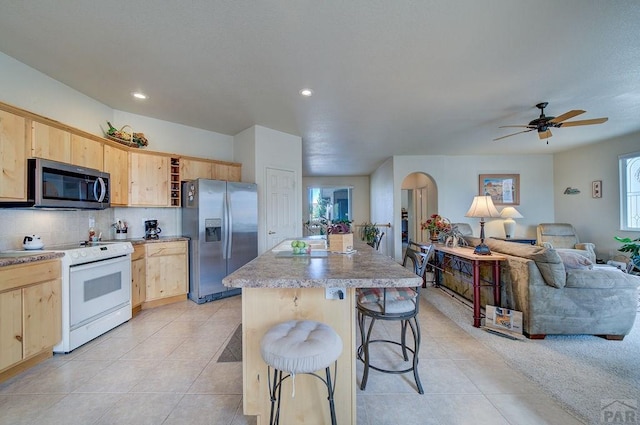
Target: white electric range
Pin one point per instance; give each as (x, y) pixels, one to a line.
(96, 290)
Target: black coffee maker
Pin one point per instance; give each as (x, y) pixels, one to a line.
(151, 229)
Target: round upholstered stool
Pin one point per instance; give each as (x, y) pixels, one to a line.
(299, 346)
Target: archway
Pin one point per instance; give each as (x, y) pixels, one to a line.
(419, 200)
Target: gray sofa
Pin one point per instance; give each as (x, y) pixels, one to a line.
(558, 292)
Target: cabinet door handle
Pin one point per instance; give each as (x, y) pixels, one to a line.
(271, 232)
(19, 338)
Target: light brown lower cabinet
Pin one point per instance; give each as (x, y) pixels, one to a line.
(30, 314)
(138, 278)
(159, 273)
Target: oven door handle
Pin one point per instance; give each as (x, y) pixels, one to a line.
(103, 189)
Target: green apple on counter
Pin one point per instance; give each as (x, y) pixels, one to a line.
(300, 247)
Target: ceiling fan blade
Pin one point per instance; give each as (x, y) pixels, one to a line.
(517, 126)
(544, 134)
(583, 122)
(567, 115)
(513, 134)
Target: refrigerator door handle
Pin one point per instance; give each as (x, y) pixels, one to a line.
(229, 225)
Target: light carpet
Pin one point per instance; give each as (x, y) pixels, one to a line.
(581, 372)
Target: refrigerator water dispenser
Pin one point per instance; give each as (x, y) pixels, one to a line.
(213, 229)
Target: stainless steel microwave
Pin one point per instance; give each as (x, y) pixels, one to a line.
(52, 184)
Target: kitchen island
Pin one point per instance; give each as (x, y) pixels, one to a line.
(277, 287)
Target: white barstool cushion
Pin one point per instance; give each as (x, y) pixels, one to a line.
(300, 346)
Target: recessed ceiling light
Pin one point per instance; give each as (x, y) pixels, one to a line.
(139, 95)
(306, 92)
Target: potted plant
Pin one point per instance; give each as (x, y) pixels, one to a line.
(632, 246)
(340, 237)
(369, 232)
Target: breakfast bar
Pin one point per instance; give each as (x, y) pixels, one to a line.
(277, 287)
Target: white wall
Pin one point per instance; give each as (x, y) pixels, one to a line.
(244, 148)
(456, 178)
(259, 148)
(26, 88)
(596, 220)
(385, 206)
(170, 137)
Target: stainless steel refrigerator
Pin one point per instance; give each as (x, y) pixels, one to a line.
(221, 218)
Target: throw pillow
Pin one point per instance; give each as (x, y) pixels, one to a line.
(573, 260)
(551, 267)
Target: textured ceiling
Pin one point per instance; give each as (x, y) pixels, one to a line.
(390, 77)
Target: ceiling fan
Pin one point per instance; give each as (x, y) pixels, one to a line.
(544, 123)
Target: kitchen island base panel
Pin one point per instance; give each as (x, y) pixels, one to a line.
(263, 308)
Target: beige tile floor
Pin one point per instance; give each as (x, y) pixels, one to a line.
(161, 368)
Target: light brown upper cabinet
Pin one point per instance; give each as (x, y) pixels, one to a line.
(149, 180)
(116, 163)
(86, 152)
(13, 156)
(51, 143)
(191, 169)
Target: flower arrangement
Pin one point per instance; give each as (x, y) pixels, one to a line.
(436, 223)
(339, 227)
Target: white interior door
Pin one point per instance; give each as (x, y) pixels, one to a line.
(280, 206)
(421, 212)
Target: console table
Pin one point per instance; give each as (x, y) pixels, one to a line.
(463, 258)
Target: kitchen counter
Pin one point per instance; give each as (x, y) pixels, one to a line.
(366, 268)
(9, 258)
(277, 287)
(22, 257)
(139, 241)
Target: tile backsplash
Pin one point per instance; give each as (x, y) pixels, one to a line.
(65, 227)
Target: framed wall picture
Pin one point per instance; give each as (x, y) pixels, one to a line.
(504, 189)
(596, 189)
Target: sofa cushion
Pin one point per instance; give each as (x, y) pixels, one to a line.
(573, 260)
(601, 278)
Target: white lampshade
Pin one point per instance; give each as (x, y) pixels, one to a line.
(509, 213)
(481, 207)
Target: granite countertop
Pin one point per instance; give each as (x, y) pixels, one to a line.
(366, 268)
(10, 258)
(23, 257)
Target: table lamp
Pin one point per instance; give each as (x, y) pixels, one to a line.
(481, 207)
(509, 213)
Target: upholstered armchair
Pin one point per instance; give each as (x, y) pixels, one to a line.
(563, 236)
